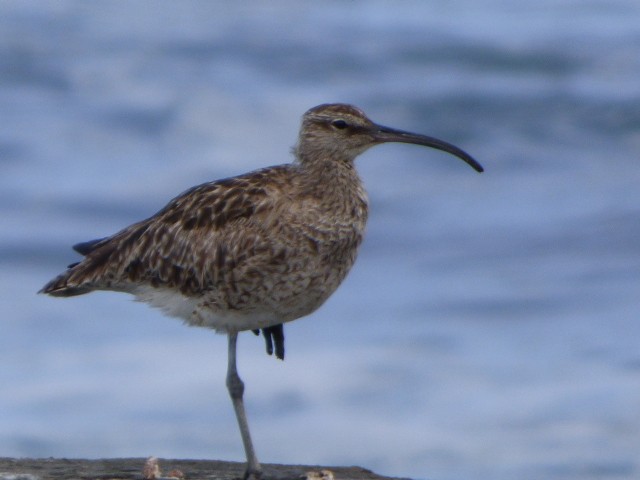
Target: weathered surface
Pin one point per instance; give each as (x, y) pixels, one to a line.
(132, 468)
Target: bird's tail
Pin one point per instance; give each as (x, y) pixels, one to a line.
(65, 286)
(74, 281)
(59, 287)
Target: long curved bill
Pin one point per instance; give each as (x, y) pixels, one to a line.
(385, 134)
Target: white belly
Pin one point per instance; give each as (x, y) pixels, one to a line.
(196, 312)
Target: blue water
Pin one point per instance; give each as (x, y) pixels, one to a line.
(491, 326)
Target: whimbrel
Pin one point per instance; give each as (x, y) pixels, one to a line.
(254, 251)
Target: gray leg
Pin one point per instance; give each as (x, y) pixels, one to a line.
(236, 389)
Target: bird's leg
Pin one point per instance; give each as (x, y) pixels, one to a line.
(236, 389)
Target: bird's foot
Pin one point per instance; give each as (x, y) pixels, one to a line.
(273, 335)
(252, 474)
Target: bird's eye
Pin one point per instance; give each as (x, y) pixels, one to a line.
(341, 124)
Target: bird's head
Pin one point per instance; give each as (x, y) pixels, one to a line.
(342, 132)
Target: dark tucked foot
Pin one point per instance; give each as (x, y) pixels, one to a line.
(274, 334)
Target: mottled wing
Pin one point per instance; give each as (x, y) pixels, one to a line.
(187, 245)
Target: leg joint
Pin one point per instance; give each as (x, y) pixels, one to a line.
(235, 385)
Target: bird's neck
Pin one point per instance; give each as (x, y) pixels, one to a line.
(334, 184)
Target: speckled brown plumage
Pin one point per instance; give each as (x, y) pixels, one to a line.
(236, 245)
(252, 251)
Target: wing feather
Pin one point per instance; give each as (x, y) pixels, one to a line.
(188, 244)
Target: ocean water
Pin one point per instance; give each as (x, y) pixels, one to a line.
(491, 326)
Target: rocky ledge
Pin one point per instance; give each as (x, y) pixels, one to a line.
(166, 469)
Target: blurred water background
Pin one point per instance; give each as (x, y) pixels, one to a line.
(490, 328)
